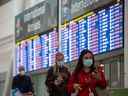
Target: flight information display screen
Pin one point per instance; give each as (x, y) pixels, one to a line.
(17, 57)
(21, 55)
(100, 31)
(53, 46)
(44, 41)
(31, 59)
(37, 52)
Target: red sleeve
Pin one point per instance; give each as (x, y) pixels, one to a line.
(83, 83)
(101, 82)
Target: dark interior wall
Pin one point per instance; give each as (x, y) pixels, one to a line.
(2, 2)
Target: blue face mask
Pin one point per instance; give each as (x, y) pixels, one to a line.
(87, 62)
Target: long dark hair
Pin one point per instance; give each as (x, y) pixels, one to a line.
(80, 64)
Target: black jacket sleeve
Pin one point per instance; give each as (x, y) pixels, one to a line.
(50, 79)
(67, 73)
(14, 82)
(31, 89)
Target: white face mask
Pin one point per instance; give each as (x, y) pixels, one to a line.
(61, 63)
(22, 72)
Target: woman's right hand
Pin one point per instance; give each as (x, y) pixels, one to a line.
(77, 87)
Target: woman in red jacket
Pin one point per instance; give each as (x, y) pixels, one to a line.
(86, 77)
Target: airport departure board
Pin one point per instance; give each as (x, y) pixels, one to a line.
(100, 31)
(37, 52)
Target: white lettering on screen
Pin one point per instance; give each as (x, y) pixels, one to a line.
(33, 26)
(35, 13)
(78, 6)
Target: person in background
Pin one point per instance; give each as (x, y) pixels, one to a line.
(22, 83)
(57, 77)
(86, 77)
